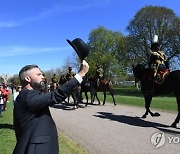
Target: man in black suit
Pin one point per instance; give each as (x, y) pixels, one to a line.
(34, 127)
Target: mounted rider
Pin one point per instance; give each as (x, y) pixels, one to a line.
(99, 74)
(62, 80)
(70, 74)
(54, 79)
(158, 61)
(76, 93)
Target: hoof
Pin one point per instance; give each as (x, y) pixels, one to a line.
(66, 103)
(81, 102)
(75, 107)
(156, 114)
(144, 116)
(173, 125)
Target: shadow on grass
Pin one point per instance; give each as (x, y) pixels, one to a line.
(6, 126)
(136, 121)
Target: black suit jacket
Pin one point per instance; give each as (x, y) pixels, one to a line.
(34, 127)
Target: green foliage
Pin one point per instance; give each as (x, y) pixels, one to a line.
(104, 47)
(15, 80)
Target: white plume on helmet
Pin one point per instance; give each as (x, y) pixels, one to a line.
(155, 39)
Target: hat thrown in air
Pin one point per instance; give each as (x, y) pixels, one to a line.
(80, 47)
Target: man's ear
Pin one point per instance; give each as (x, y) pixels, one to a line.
(27, 78)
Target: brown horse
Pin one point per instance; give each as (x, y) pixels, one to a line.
(53, 86)
(104, 86)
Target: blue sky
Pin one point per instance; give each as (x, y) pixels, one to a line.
(35, 31)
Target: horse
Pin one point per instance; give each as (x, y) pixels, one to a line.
(75, 94)
(53, 86)
(104, 86)
(150, 88)
(89, 86)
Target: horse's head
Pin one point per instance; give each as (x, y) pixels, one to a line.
(145, 76)
(138, 71)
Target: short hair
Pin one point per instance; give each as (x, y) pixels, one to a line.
(25, 69)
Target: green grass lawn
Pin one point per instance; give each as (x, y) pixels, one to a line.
(161, 103)
(8, 140)
(133, 96)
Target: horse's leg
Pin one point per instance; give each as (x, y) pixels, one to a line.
(74, 100)
(104, 97)
(112, 94)
(93, 92)
(174, 124)
(67, 102)
(86, 97)
(80, 96)
(148, 100)
(77, 97)
(97, 98)
(93, 95)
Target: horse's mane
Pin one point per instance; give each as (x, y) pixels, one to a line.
(141, 70)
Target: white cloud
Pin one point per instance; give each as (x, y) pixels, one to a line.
(56, 9)
(7, 24)
(8, 51)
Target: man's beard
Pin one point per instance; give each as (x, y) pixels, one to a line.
(38, 86)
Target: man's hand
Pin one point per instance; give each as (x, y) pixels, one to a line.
(83, 69)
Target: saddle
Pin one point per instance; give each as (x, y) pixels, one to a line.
(105, 81)
(161, 75)
(101, 81)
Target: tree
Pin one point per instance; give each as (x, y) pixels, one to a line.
(15, 80)
(104, 48)
(150, 21)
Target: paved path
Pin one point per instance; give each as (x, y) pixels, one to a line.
(118, 129)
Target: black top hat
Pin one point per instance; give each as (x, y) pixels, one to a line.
(80, 47)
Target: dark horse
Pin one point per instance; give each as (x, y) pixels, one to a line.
(150, 88)
(53, 86)
(75, 93)
(104, 86)
(89, 86)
